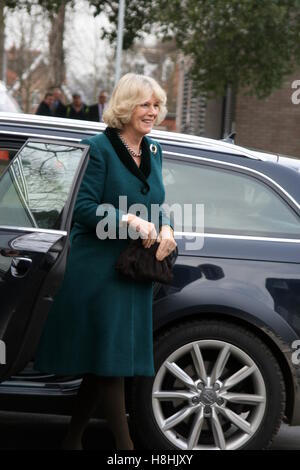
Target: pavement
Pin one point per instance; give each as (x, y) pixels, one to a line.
(24, 431)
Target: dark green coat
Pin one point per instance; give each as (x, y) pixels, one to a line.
(99, 322)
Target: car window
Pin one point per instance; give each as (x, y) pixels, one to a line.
(34, 189)
(234, 203)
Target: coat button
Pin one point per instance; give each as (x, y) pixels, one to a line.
(144, 190)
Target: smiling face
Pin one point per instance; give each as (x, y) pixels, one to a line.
(143, 116)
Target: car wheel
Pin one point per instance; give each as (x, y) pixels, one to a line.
(217, 386)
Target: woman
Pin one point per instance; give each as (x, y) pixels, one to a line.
(100, 325)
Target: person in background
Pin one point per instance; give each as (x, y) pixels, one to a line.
(44, 108)
(96, 110)
(58, 108)
(77, 109)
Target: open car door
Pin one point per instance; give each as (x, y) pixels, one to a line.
(37, 196)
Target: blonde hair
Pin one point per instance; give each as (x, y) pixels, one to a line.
(131, 90)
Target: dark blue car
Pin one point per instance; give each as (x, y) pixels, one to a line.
(226, 332)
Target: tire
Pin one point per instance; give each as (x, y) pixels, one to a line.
(244, 412)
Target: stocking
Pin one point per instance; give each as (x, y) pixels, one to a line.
(108, 393)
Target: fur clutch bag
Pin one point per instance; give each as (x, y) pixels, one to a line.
(140, 264)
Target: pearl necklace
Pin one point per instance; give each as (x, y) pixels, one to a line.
(130, 150)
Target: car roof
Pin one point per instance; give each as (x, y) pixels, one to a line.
(164, 136)
(279, 168)
(178, 139)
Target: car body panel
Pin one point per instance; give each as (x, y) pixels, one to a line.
(254, 280)
(32, 258)
(240, 290)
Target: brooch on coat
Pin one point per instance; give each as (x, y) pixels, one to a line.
(153, 148)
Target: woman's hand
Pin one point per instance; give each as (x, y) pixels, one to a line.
(166, 242)
(146, 229)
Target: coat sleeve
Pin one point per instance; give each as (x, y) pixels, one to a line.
(164, 218)
(89, 201)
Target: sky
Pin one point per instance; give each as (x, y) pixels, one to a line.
(85, 52)
(86, 55)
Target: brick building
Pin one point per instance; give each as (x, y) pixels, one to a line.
(194, 113)
(270, 124)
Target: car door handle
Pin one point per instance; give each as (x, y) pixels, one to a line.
(20, 266)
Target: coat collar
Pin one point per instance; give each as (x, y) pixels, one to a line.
(143, 171)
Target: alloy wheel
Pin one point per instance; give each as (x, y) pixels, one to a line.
(209, 394)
